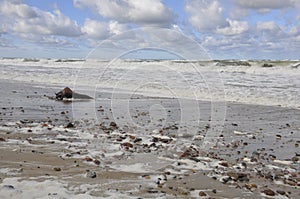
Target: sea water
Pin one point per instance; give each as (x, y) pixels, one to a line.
(274, 83)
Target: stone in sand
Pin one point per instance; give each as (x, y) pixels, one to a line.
(65, 93)
(269, 192)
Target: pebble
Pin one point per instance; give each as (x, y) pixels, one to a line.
(202, 194)
(57, 169)
(91, 174)
(281, 192)
(88, 159)
(224, 164)
(97, 162)
(2, 140)
(70, 125)
(269, 192)
(127, 144)
(9, 186)
(137, 140)
(251, 186)
(113, 124)
(146, 177)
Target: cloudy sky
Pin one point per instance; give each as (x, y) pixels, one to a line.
(224, 29)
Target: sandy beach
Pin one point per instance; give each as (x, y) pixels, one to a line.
(47, 153)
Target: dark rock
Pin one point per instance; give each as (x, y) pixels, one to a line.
(68, 94)
(70, 125)
(113, 124)
(295, 159)
(88, 159)
(202, 194)
(2, 140)
(65, 93)
(9, 186)
(238, 176)
(97, 162)
(57, 169)
(266, 65)
(137, 140)
(269, 192)
(127, 144)
(224, 164)
(281, 192)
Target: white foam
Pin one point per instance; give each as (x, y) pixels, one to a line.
(51, 188)
(278, 85)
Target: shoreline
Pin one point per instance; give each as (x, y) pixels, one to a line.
(264, 138)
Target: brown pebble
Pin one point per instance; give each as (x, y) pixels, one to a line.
(202, 194)
(269, 192)
(113, 124)
(97, 162)
(2, 140)
(147, 177)
(57, 169)
(291, 183)
(88, 159)
(224, 164)
(127, 144)
(132, 137)
(281, 192)
(251, 186)
(295, 159)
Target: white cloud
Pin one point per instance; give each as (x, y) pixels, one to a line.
(234, 28)
(117, 28)
(152, 12)
(268, 26)
(205, 15)
(17, 10)
(95, 29)
(99, 30)
(22, 18)
(265, 4)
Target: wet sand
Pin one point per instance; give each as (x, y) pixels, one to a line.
(90, 150)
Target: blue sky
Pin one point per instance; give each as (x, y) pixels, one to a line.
(219, 29)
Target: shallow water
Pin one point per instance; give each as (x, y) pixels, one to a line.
(209, 80)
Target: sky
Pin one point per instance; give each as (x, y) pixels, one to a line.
(146, 29)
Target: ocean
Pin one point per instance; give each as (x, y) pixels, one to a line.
(274, 83)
